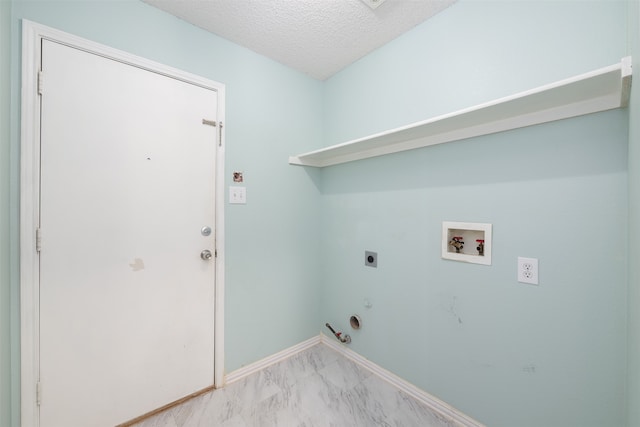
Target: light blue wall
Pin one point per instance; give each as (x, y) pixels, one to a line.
(272, 111)
(634, 225)
(505, 353)
(5, 103)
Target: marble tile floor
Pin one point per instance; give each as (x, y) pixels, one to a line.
(317, 387)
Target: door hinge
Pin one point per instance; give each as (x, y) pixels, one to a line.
(214, 124)
(38, 393)
(40, 81)
(38, 240)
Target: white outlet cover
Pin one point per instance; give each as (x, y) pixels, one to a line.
(528, 270)
(238, 195)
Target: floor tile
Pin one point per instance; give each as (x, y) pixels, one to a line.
(315, 388)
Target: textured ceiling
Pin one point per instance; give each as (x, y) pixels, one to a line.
(317, 37)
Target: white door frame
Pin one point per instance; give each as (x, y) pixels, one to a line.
(32, 35)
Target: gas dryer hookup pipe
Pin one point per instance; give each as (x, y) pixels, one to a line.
(346, 339)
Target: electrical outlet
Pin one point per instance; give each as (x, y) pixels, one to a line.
(528, 270)
(371, 259)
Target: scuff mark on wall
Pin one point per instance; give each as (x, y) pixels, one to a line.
(137, 265)
(452, 310)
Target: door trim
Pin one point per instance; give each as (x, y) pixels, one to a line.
(32, 35)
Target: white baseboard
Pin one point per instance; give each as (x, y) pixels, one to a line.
(247, 370)
(420, 395)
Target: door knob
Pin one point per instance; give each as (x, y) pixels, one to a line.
(206, 255)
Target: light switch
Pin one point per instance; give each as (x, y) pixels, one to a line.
(238, 195)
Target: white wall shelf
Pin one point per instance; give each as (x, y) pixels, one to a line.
(603, 89)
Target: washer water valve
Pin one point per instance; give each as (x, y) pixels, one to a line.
(480, 247)
(457, 242)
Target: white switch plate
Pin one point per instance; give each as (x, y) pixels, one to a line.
(528, 270)
(238, 195)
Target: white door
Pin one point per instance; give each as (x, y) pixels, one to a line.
(127, 185)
